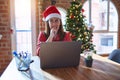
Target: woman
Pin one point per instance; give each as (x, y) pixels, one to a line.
(54, 30)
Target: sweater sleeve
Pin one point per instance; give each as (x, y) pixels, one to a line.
(41, 38)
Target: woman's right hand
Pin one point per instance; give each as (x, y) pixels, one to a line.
(53, 32)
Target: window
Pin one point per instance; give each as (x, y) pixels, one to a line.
(22, 20)
(23, 25)
(107, 41)
(103, 15)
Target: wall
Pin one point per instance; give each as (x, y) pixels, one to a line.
(5, 43)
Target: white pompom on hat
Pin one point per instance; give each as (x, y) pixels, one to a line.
(51, 12)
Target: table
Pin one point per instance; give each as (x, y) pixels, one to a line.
(12, 73)
(102, 69)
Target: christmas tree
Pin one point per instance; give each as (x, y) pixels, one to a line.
(75, 24)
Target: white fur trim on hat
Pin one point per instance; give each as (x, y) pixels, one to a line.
(53, 15)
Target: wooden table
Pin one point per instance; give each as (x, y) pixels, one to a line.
(12, 73)
(102, 69)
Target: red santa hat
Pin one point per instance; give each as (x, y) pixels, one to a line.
(50, 12)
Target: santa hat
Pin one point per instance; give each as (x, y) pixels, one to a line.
(50, 12)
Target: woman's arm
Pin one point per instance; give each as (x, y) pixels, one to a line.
(41, 38)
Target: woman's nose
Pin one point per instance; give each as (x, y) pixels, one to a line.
(54, 23)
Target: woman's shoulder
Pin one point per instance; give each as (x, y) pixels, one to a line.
(67, 36)
(42, 34)
(67, 33)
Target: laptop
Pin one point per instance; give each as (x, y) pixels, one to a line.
(59, 54)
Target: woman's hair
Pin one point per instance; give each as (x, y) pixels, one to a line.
(60, 32)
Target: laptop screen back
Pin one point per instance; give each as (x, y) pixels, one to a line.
(59, 54)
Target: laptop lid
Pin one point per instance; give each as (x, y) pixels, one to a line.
(59, 54)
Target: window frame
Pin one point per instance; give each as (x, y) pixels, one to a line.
(108, 18)
(33, 24)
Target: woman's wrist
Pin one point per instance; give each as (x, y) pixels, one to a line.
(50, 38)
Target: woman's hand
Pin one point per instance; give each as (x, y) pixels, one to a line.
(53, 32)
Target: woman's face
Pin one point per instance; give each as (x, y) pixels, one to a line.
(54, 23)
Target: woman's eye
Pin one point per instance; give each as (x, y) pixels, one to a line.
(50, 21)
(56, 20)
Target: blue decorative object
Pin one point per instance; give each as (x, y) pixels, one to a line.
(23, 60)
(115, 55)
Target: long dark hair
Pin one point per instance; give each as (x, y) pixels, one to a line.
(60, 32)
